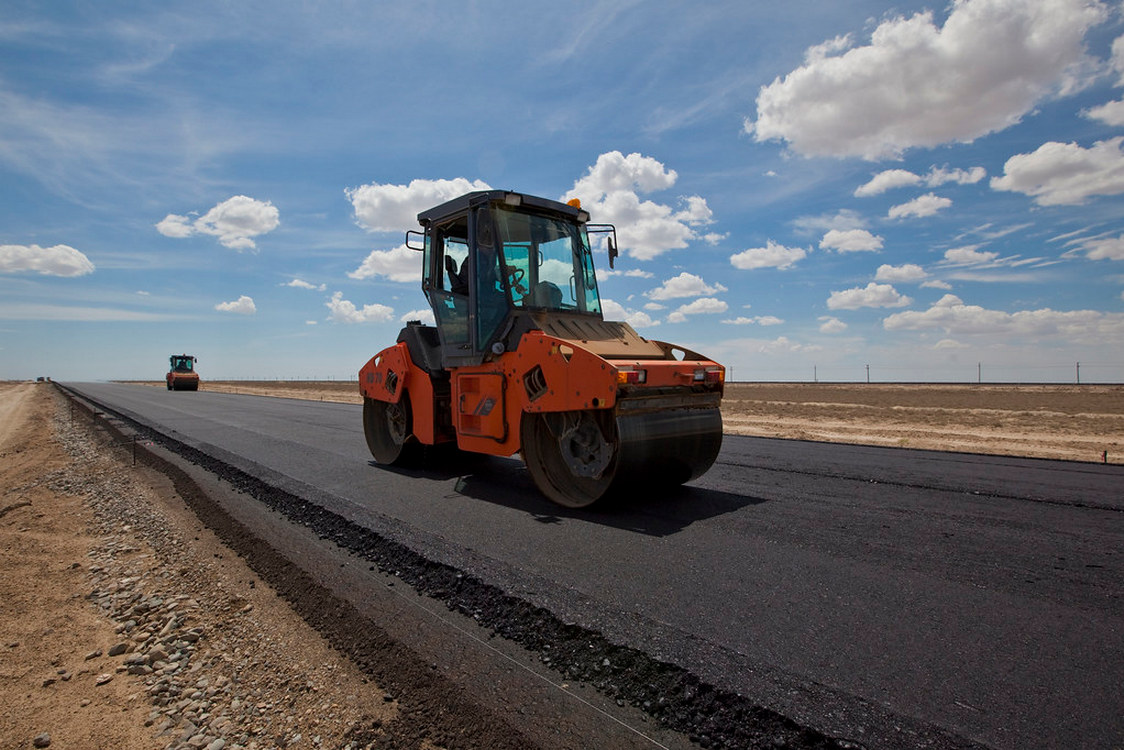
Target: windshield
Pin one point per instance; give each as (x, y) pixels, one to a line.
(181, 364)
(548, 262)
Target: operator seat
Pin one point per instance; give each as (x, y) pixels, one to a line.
(547, 294)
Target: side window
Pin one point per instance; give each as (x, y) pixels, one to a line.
(450, 290)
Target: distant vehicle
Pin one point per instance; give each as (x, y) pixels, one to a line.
(181, 373)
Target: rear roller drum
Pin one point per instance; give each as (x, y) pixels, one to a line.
(388, 429)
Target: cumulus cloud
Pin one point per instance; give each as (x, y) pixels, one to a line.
(701, 306)
(969, 255)
(235, 221)
(1065, 173)
(1108, 248)
(611, 191)
(831, 324)
(887, 180)
(908, 272)
(684, 285)
(761, 320)
(773, 255)
(873, 295)
(425, 316)
(920, 84)
(57, 260)
(242, 306)
(301, 284)
(925, 205)
(783, 344)
(937, 176)
(341, 310)
(1110, 113)
(395, 208)
(953, 317)
(400, 264)
(613, 310)
(851, 241)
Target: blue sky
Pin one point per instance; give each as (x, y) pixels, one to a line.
(801, 189)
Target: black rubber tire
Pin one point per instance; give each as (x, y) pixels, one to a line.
(389, 431)
(543, 456)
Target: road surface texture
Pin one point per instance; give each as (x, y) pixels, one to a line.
(798, 595)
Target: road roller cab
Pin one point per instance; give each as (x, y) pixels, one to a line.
(181, 373)
(521, 360)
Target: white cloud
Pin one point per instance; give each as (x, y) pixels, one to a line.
(243, 306)
(425, 316)
(1065, 173)
(936, 284)
(400, 264)
(831, 324)
(887, 180)
(1108, 248)
(635, 273)
(235, 221)
(968, 255)
(949, 344)
(851, 240)
(174, 225)
(395, 208)
(57, 260)
(344, 311)
(925, 205)
(761, 320)
(302, 284)
(684, 285)
(951, 315)
(784, 344)
(937, 176)
(1110, 113)
(941, 176)
(908, 272)
(773, 255)
(611, 190)
(873, 295)
(701, 306)
(917, 84)
(613, 310)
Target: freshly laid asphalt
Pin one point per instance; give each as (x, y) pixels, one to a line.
(846, 587)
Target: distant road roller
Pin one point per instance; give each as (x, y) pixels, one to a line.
(181, 373)
(521, 360)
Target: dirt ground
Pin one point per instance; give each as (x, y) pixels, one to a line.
(1069, 422)
(117, 632)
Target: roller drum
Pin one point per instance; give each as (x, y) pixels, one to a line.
(673, 446)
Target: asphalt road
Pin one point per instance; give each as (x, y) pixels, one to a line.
(843, 586)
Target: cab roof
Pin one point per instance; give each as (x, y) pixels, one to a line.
(480, 197)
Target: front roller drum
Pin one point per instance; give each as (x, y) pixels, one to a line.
(576, 458)
(389, 431)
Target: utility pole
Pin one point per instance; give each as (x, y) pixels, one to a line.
(815, 375)
(1079, 373)
(868, 373)
(979, 372)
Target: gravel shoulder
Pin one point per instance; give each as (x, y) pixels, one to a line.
(125, 623)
